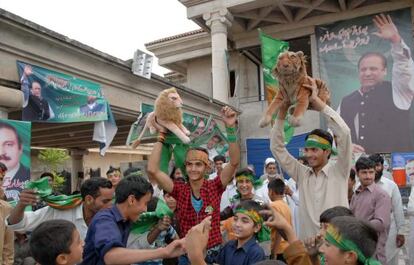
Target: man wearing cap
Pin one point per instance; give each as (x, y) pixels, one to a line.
(199, 197)
(323, 183)
(270, 170)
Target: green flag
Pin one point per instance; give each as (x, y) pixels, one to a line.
(271, 48)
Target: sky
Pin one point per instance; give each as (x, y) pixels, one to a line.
(114, 27)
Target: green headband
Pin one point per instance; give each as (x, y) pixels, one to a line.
(264, 232)
(251, 177)
(315, 141)
(335, 238)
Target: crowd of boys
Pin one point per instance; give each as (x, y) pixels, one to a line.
(230, 217)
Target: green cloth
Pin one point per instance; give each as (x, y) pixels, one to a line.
(148, 219)
(333, 237)
(44, 191)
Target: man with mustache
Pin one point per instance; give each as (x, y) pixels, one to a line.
(11, 149)
(378, 113)
(372, 204)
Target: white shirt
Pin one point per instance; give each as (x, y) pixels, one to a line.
(228, 194)
(326, 189)
(392, 190)
(32, 219)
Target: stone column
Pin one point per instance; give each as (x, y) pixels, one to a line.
(77, 166)
(218, 21)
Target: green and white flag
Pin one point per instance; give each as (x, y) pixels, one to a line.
(271, 48)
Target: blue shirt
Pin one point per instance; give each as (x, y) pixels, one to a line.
(107, 230)
(248, 254)
(197, 203)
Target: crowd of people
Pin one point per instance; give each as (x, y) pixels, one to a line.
(320, 214)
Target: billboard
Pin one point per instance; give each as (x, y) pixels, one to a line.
(367, 63)
(15, 155)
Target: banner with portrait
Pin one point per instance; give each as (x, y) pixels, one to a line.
(50, 96)
(204, 132)
(367, 63)
(403, 168)
(15, 155)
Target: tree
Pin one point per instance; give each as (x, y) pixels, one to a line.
(53, 158)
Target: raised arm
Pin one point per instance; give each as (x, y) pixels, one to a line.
(341, 131)
(403, 65)
(119, 255)
(26, 221)
(154, 171)
(279, 151)
(230, 119)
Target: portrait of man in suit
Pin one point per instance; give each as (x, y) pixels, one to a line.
(11, 150)
(92, 107)
(35, 107)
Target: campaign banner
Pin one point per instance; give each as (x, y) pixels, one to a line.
(403, 168)
(50, 96)
(15, 139)
(204, 132)
(367, 63)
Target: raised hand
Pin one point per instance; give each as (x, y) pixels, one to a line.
(164, 223)
(229, 116)
(196, 241)
(28, 197)
(386, 28)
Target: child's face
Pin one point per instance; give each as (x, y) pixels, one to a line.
(137, 207)
(245, 187)
(170, 201)
(243, 226)
(76, 249)
(333, 255)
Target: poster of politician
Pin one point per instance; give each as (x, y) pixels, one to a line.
(368, 65)
(15, 155)
(403, 168)
(50, 96)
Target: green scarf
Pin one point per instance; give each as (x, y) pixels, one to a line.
(336, 239)
(264, 232)
(44, 191)
(148, 219)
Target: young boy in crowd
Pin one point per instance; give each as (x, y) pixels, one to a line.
(159, 235)
(247, 224)
(347, 240)
(276, 191)
(56, 242)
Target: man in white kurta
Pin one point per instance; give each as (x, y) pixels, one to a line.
(320, 187)
(395, 237)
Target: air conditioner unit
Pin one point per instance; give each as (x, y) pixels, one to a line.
(142, 64)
